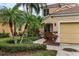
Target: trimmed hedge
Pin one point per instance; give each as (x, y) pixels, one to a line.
(21, 47)
(4, 35)
(25, 40)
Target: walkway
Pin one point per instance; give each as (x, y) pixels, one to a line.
(66, 53)
(49, 47)
(60, 48)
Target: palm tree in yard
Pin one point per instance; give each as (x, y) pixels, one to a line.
(28, 7)
(13, 17)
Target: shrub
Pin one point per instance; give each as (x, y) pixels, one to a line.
(21, 47)
(25, 40)
(3, 35)
(29, 39)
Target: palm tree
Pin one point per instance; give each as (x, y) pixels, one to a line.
(13, 16)
(28, 7)
(33, 24)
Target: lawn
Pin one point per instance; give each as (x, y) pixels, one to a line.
(46, 53)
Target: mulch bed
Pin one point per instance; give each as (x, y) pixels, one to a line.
(28, 53)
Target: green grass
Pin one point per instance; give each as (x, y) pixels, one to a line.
(46, 53)
(11, 38)
(8, 38)
(7, 44)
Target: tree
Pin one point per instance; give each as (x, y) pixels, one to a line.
(33, 23)
(13, 16)
(28, 7)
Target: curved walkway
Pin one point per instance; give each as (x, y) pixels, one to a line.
(49, 47)
(60, 48)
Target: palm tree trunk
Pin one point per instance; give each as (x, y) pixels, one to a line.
(30, 10)
(23, 33)
(15, 33)
(27, 8)
(11, 26)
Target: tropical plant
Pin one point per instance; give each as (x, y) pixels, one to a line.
(30, 6)
(33, 23)
(13, 16)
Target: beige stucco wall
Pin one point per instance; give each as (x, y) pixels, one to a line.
(4, 28)
(58, 21)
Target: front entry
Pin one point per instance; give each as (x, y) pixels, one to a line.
(49, 36)
(48, 28)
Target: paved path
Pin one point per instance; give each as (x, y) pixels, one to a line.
(40, 41)
(49, 47)
(66, 53)
(60, 48)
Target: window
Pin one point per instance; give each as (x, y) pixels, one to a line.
(46, 12)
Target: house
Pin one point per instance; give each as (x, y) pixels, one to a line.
(65, 21)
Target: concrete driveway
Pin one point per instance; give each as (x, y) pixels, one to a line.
(59, 48)
(61, 52)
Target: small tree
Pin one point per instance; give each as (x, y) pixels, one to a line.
(13, 17)
(33, 24)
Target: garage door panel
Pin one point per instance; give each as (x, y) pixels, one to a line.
(69, 32)
(70, 41)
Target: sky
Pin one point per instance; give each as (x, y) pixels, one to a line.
(10, 5)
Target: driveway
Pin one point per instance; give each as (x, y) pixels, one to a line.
(61, 52)
(59, 48)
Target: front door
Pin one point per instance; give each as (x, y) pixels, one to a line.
(48, 28)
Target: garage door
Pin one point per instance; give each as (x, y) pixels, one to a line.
(69, 32)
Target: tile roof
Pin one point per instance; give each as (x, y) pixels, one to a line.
(59, 5)
(69, 10)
